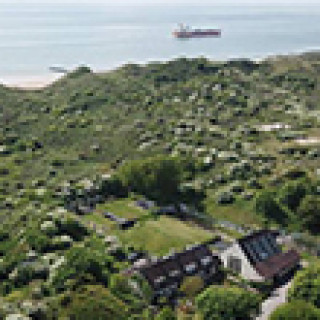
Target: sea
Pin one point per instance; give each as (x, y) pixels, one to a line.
(34, 37)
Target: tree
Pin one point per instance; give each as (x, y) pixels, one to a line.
(233, 303)
(296, 310)
(95, 302)
(309, 213)
(292, 193)
(157, 177)
(83, 264)
(267, 205)
(306, 285)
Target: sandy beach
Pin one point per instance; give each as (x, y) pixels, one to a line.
(29, 82)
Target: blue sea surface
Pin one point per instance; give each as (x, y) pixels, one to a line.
(34, 37)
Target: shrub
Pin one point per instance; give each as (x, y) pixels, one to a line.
(166, 314)
(191, 286)
(306, 286)
(296, 310)
(95, 302)
(84, 263)
(267, 205)
(217, 303)
(293, 192)
(309, 213)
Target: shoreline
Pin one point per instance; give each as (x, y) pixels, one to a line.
(37, 82)
(30, 82)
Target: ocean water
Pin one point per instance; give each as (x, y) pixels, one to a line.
(35, 37)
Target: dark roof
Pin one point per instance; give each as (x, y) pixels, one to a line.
(170, 265)
(187, 257)
(202, 251)
(176, 261)
(152, 272)
(277, 263)
(253, 236)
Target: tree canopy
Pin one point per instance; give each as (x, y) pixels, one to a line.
(296, 310)
(218, 303)
(156, 177)
(306, 286)
(309, 213)
(95, 302)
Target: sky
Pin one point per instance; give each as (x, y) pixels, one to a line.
(168, 2)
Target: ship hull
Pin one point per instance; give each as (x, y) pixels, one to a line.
(197, 33)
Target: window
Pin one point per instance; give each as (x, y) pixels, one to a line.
(190, 267)
(206, 261)
(159, 280)
(234, 264)
(174, 273)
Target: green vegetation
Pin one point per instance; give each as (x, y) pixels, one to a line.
(306, 286)
(94, 301)
(236, 141)
(228, 303)
(158, 178)
(295, 204)
(159, 236)
(191, 286)
(125, 208)
(296, 310)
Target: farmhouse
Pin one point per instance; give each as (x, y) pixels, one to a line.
(166, 275)
(258, 257)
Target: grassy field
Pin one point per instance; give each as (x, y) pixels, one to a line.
(157, 236)
(124, 208)
(163, 234)
(241, 212)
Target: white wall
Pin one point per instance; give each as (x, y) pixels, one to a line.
(247, 271)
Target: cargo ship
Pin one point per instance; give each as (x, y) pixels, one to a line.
(185, 32)
(58, 69)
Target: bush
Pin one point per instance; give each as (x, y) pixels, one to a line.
(83, 263)
(217, 303)
(191, 286)
(73, 228)
(95, 302)
(309, 213)
(4, 235)
(166, 314)
(296, 310)
(267, 205)
(306, 286)
(292, 193)
(28, 272)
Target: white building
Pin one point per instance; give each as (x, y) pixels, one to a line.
(258, 257)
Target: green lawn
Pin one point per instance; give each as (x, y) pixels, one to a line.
(125, 208)
(240, 212)
(156, 236)
(159, 236)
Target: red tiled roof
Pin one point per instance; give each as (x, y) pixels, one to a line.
(277, 263)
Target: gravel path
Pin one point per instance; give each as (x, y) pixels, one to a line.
(278, 297)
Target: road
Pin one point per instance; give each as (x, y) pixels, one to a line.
(278, 297)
